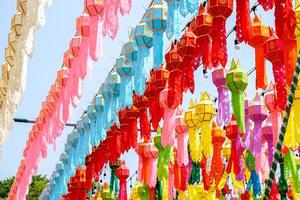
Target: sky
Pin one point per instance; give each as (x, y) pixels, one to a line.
(52, 40)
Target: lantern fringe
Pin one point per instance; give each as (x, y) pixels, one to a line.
(158, 45)
(183, 7)
(141, 70)
(194, 145)
(237, 102)
(126, 89)
(206, 139)
(171, 16)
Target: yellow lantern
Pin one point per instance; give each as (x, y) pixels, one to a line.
(206, 111)
(192, 121)
(16, 24)
(9, 56)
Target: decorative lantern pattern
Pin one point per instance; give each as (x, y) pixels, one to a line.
(237, 81)
(259, 33)
(144, 40)
(274, 53)
(205, 110)
(156, 20)
(220, 10)
(201, 27)
(219, 80)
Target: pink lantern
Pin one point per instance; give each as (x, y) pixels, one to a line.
(122, 173)
(182, 138)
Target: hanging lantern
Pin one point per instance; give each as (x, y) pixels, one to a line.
(205, 110)
(257, 113)
(173, 19)
(144, 40)
(267, 136)
(292, 135)
(259, 33)
(237, 81)
(219, 80)
(192, 120)
(124, 69)
(274, 53)
(158, 80)
(113, 84)
(217, 167)
(220, 10)
(270, 102)
(168, 130)
(182, 138)
(187, 49)
(142, 104)
(156, 20)
(175, 82)
(122, 173)
(132, 115)
(243, 21)
(201, 26)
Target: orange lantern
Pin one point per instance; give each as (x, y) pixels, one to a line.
(259, 33)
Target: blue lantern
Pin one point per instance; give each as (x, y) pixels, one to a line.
(144, 40)
(124, 69)
(98, 104)
(156, 20)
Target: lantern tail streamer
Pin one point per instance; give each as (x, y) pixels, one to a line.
(170, 21)
(126, 89)
(260, 65)
(205, 141)
(219, 44)
(168, 130)
(289, 157)
(194, 144)
(158, 48)
(205, 48)
(223, 115)
(242, 20)
(183, 7)
(290, 59)
(144, 124)
(238, 109)
(182, 149)
(280, 84)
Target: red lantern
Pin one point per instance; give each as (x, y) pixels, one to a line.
(158, 80)
(141, 103)
(273, 49)
(187, 49)
(243, 21)
(122, 173)
(175, 83)
(201, 27)
(94, 7)
(220, 10)
(124, 131)
(232, 134)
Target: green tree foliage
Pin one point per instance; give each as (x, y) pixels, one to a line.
(36, 187)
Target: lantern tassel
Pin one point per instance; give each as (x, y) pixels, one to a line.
(126, 89)
(206, 137)
(168, 130)
(144, 124)
(195, 174)
(158, 48)
(183, 7)
(95, 41)
(170, 20)
(289, 157)
(106, 115)
(194, 144)
(243, 21)
(141, 70)
(191, 6)
(182, 149)
(205, 48)
(219, 44)
(238, 109)
(223, 115)
(261, 76)
(280, 84)
(156, 112)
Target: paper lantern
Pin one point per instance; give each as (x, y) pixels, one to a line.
(270, 102)
(158, 80)
(175, 82)
(217, 167)
(143, 37)
(131, 116)
(156, 20)
(201, 26)
(193, 121)
(142, 104)
(274, 53)
(267, 136)
(259, 33)
(124, 69)
(232, 134)
(22, 6)
(182, 138)
(187, 49)
(220, 10)
(83, 26)
(17, 24)
(168, 130)
(237, 81)
(94, 7)
(205, 110)
(292, 135)
(122, 173)
(257, 113)
(219, 80)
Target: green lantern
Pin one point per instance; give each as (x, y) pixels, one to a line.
(237, 81)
